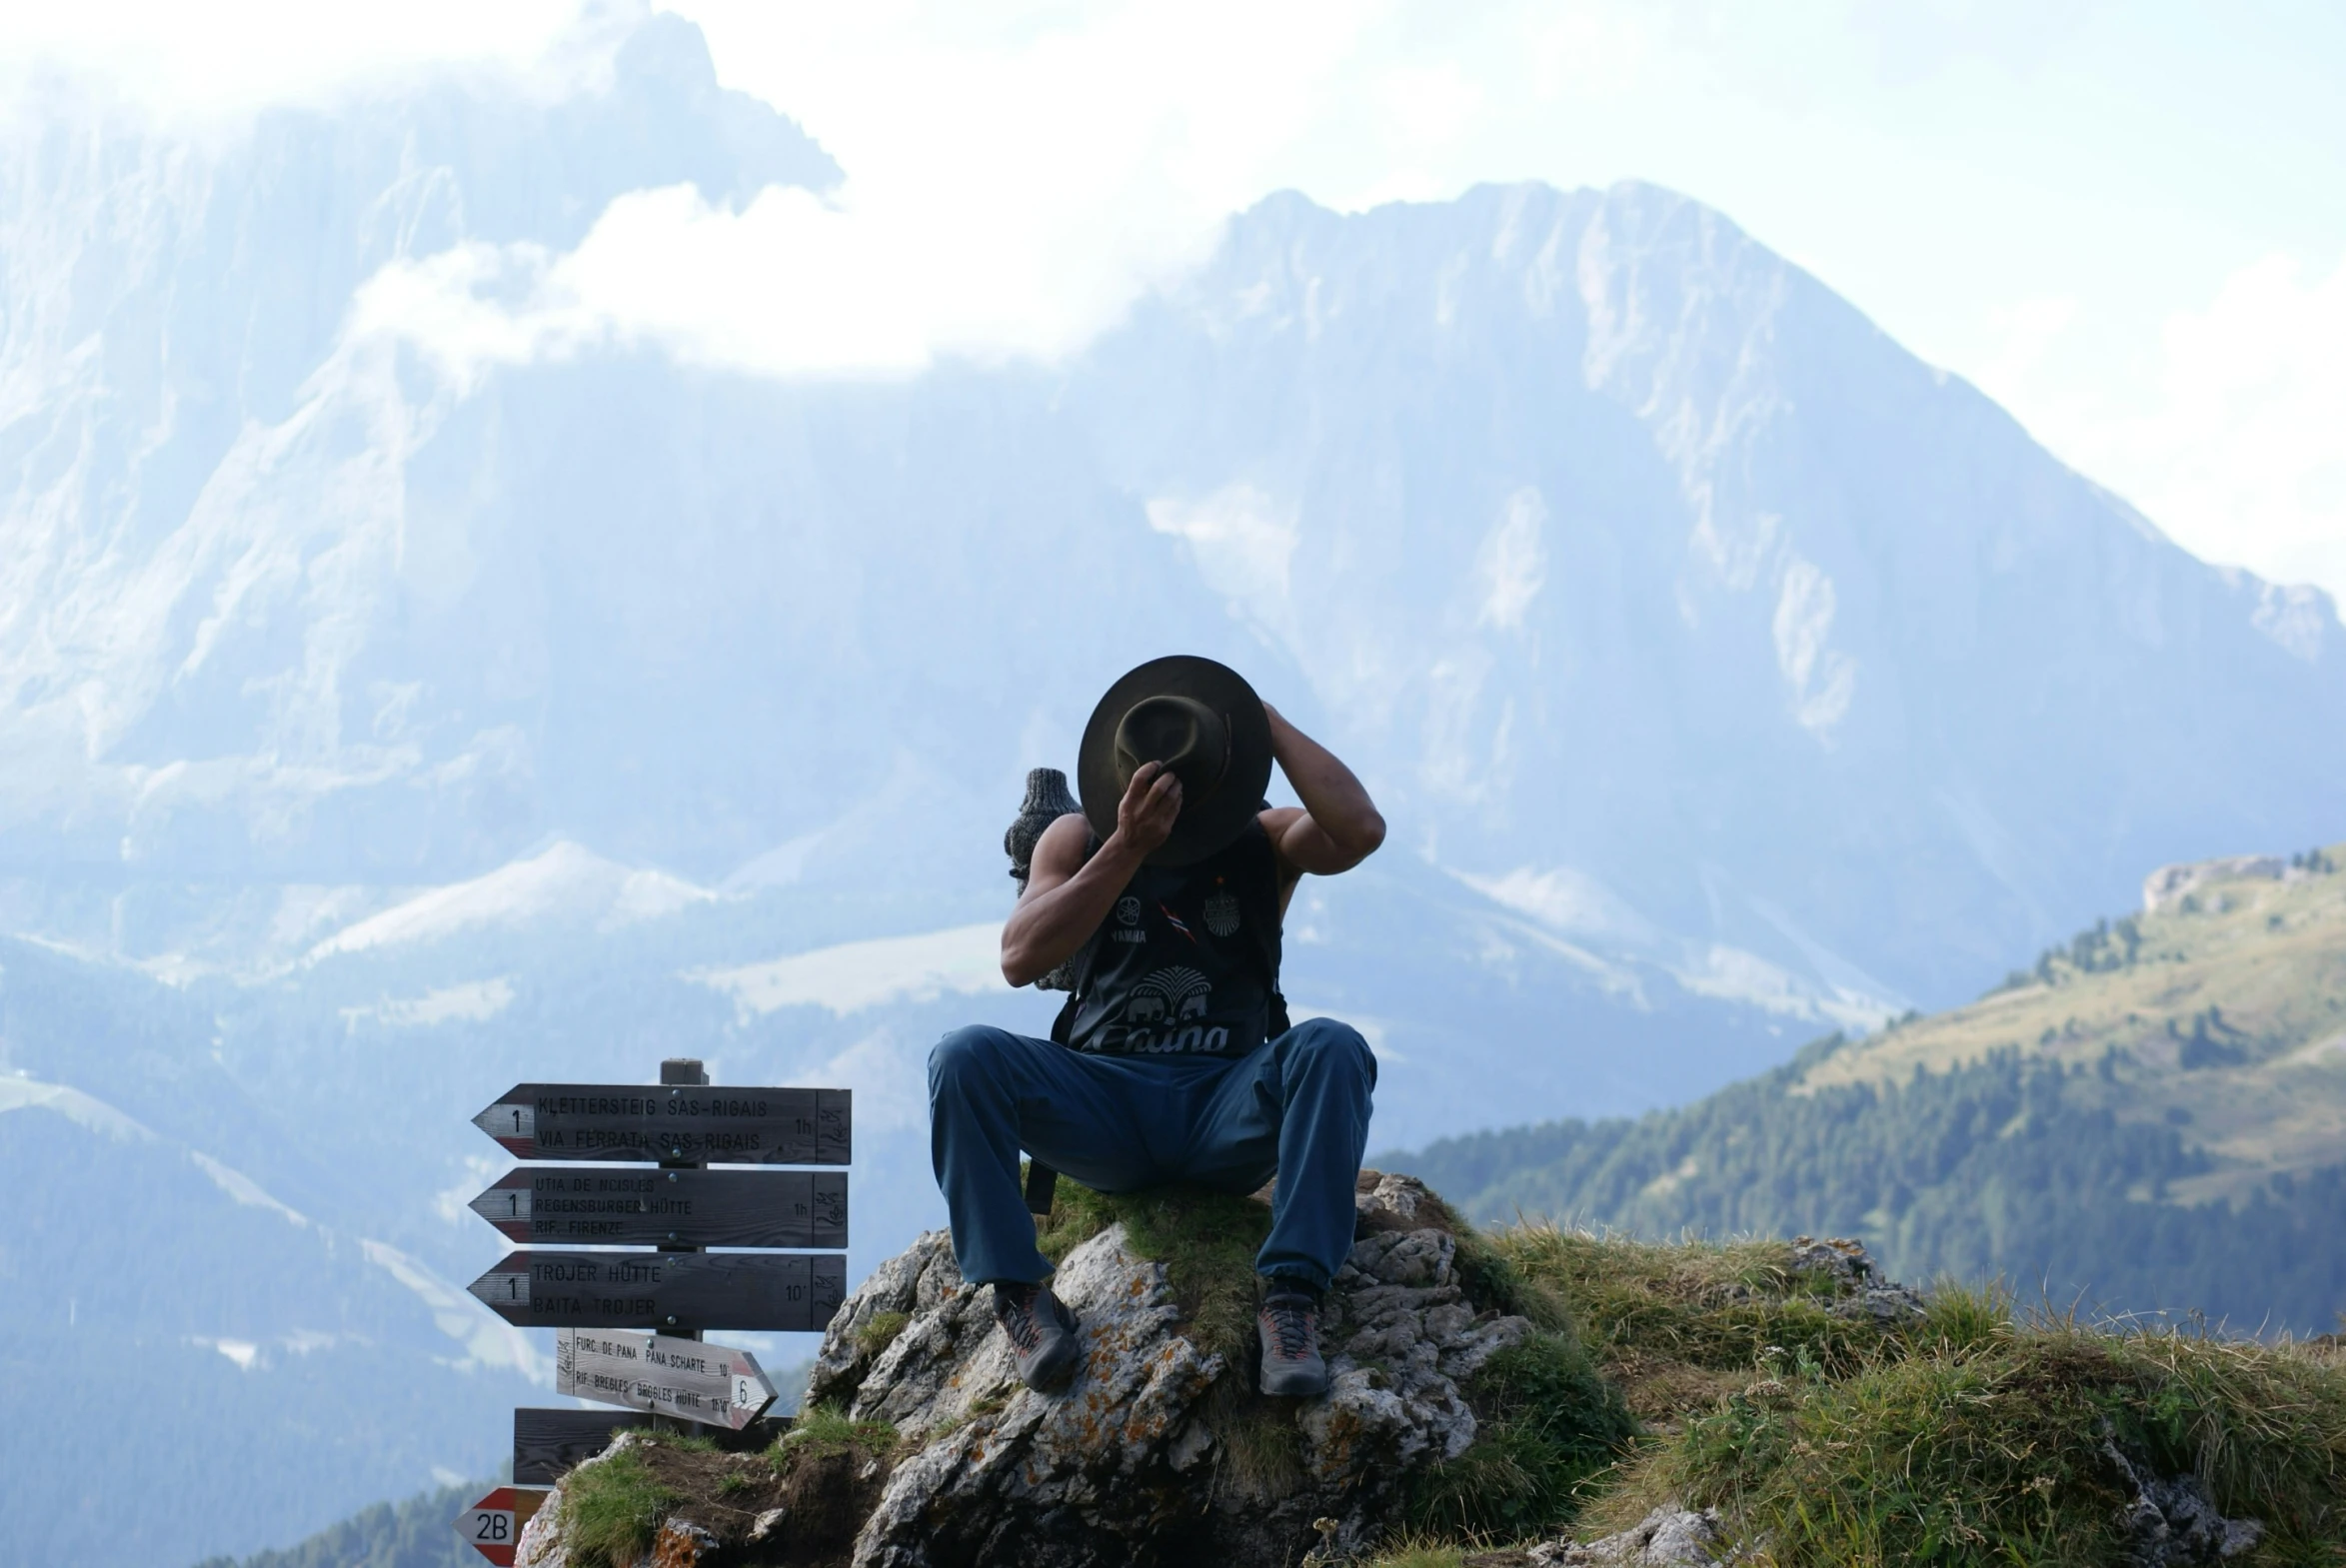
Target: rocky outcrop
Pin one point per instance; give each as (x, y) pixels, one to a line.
(2169, 885)
(1860, 1289)
(1160, 1451)
(1667, 1538)
(2172, 1522)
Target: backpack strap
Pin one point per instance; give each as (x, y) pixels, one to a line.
(1268, 942)
(1042, 1180)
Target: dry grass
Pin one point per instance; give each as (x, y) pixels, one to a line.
(1972, 1436)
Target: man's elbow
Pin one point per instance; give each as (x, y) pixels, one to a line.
(1018, 966)
(1359, 840)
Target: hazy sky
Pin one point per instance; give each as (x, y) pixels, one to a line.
(2127, 222)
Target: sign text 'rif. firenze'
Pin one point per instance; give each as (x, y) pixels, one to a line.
(623, 1206)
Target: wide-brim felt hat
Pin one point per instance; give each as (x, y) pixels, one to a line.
(1205, 723)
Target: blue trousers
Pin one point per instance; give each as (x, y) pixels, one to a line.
(1297, 1106)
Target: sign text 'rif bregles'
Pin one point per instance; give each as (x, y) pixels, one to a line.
(693, 1290)
(678, 1124)
(712, 1384)
(631, 1206)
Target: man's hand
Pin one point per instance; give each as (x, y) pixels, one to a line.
(1153, 802)
(1068, 895)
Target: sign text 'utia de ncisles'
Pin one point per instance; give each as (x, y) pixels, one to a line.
(671, 1125)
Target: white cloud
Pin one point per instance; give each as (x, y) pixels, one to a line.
(1018, 171)
(1244, 542)
(1014, 181)
(202, 61)
(2239, 449)
(2022, 332)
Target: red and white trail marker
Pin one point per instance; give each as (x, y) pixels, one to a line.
(494, 1524)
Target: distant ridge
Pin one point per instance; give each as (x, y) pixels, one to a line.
(2152, 1117)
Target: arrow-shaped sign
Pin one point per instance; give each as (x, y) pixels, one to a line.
(627, 1205)
(494, 1524)
(675, 1123)
(713, 1384)
(752, 1290)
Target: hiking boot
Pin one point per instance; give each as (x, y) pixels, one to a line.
(1041, 1334)
(1288, 1324)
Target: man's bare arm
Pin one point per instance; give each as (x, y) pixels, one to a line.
(1340, 826)
(1067, 896)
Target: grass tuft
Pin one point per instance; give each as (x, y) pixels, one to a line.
(612, 1509)
(878, 1334)
(827, 1429)
(1547, 1425)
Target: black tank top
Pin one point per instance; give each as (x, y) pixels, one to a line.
(1187, 959)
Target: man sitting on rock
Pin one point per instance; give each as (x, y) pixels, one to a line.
(1166, 892)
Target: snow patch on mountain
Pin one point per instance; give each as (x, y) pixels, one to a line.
(564, 881)
(1573, 903)
(852, 977)
(245, 1190)
(475, 1002)
(24, 1092)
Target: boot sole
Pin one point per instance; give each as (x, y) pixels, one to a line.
(1054, 1368)
(1292, 1385)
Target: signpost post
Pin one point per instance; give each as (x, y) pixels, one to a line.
(603, 1300)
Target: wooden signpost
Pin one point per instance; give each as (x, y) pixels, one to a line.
(585, 1207)
(677, 1290)
(759, 1290)
(678, 1377)
(676, 1124)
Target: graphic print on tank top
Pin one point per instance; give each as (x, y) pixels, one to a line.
(1181, 968)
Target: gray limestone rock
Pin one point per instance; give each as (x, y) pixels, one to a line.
(1665, 1538)
(1860, 1290)
(2172, 1522)
(1160, 1451)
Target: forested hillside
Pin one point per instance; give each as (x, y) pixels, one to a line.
(2148, 1119)
(417, 1533)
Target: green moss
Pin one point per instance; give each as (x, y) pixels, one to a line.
(826, 1428)
(878, 1334)
(1207, 1242)
(1548, 1425)
(612, 1509)
(1491, 1277)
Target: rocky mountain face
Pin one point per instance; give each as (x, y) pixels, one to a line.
(377, 731)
